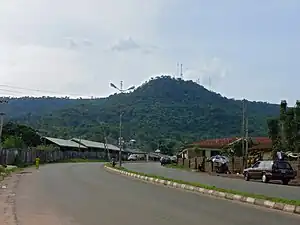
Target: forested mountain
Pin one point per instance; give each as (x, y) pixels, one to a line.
(161, 110)
(26, 107)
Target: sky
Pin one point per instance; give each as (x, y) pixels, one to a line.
(241, 49)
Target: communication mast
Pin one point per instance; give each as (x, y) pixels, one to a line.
(181, 74)
(209, 83)
(177, 70)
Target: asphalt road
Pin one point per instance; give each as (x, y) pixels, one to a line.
(86, 194)
(272, 190)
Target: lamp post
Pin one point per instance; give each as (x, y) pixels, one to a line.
(121, 90)
(2, 114)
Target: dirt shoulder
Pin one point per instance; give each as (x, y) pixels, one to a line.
(21, 204)
(7, 199)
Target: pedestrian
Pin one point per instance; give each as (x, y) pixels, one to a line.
(37, 162)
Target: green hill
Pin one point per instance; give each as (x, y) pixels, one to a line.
(26, 107)
(161, 109)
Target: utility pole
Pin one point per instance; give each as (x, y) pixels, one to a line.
(121, 90)
(245, 134)
(247, 143)
(120, 139)
(1, 128)
(243, 127)
(106, 149)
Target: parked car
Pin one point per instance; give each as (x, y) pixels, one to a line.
(132, 157)
(270, 170)
(165, 160)
(173, 159)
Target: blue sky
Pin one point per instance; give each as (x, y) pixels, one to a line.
(248, 49)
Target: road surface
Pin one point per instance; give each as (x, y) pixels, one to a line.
(273, 190)
(86, 194)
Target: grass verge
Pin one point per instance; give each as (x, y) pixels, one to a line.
(6, 172)
(174, 166)
(245, 194)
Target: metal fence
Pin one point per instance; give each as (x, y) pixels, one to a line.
(27, 156)
(236, 164)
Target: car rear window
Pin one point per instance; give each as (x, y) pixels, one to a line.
(283, 165)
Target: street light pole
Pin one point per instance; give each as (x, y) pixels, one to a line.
(121, 90)
(1, 129)
(120, 140)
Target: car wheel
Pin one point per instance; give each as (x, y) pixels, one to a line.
(246, 176)
(264, 178)
(285, 181)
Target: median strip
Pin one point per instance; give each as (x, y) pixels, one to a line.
(292, 206)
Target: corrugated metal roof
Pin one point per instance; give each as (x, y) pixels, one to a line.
(90, 144)
(65, 143)
(113, 147)
(94, 144)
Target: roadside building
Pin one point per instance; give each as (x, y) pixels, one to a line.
(206, 148)
(261, 148)
(64, 145)
(100, 149)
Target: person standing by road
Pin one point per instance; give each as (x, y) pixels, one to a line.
(37, 162)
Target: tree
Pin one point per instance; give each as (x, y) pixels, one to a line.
(285, 131)
(290, 130)
(282, 123)
(274, 134)
(26, 133)
(162, 108)
(13, 142)
(48, 148)
(297, 126)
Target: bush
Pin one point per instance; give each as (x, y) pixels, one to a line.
(2, 169)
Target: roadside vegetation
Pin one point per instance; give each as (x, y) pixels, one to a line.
(4, 172)
(263, 197)
(164, 113)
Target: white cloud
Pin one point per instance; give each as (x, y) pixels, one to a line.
(209, 72)
(62, 45)
(66, 46)
(125, 45)
(43, 68)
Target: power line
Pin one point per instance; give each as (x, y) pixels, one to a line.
(30, 89)
(11, 91)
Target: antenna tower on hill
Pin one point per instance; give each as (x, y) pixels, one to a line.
(177, 70)
(209, 83)
(181, 74)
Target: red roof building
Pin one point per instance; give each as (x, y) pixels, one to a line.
(258, 143)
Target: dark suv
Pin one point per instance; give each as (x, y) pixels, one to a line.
(165, 160)
(270, 170)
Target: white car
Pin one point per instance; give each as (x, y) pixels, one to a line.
(174, 158)
(132, 157)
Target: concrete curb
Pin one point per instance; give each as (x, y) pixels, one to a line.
(224, 195)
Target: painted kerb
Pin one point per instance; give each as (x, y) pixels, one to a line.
(239, 198)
